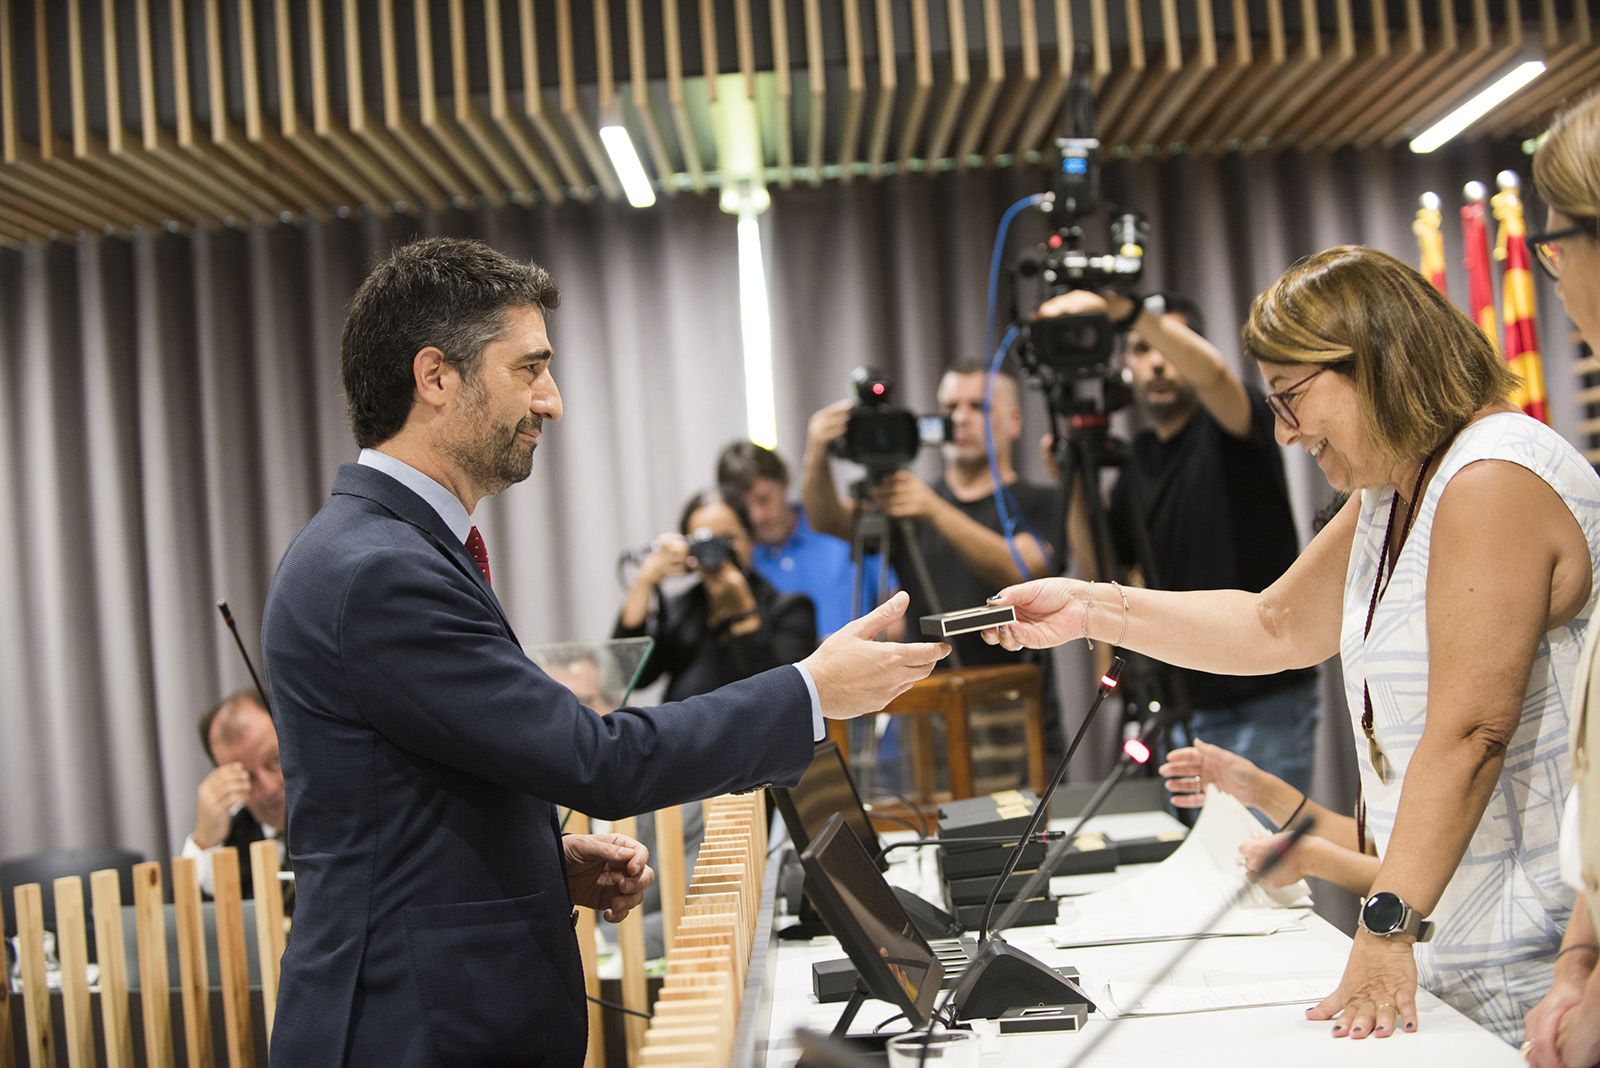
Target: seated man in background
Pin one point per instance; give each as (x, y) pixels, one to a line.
(788, 553)
(241, 801)
(728, 626)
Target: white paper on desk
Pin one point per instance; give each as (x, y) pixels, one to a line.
(1178, 897)
(1205, 990)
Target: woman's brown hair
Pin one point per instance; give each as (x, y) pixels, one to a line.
(1421, 368)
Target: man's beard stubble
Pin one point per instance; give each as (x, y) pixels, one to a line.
(493, 462)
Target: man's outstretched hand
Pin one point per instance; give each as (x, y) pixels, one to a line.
(856, 675)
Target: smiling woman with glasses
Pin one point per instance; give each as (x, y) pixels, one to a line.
(1564, 1028)
(1455, 587)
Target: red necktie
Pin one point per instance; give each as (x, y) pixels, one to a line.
(480, 553)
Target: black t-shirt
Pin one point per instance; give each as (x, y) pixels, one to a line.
(1035, 508)
(1217, 510)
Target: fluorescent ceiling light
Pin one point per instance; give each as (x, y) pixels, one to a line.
(1479, 106)
(755, 321)
(635, 183)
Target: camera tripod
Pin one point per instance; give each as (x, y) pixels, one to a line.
(870, 534)
(1083, 447)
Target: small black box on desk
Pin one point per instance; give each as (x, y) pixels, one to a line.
(973, 861)
(1094, 854)
(1035, 912)
(979, 817)
(1150, 849)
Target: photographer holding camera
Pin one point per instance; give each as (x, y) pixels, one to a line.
(731, 624)
(959, 531)
(1216, 510)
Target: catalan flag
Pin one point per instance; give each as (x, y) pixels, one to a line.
(1430, 239)
(1475, 238)
(1516, 293)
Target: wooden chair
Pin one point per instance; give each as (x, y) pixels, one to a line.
(72, 938)
(970, 710)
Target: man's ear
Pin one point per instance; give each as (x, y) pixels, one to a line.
(432, 376)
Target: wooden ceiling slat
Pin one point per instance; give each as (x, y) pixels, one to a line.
(1299, 70)
(444, 133)
(1443, 48)
(1114, 94)
(1231, 71)
(403, 127)
(987, 91)
(337, 143)
(425, 189)
(263, 154)
(106, 202)
(783, 86)
(1333, 63)
(511, 168)
(816, 92)
(1200, 66)
(643, 103)
(376, 192)
(1019, 90)
(1324, 88)
(1218, 130)
(883, 111)
(183, 200)
(533, 105)
(1046, 111)
(1376, 64)
(1131, 127)
(677, 102)
(855, 90)
(580, 124)
(948, 108)
(1461, 80)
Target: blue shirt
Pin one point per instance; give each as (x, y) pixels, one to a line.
(817, 565)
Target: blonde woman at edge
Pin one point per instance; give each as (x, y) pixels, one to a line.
(1564, 1028)
(1455, 586)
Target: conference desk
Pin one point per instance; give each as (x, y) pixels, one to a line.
(781, 1001)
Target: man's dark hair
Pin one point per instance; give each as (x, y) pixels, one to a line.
(209, 718)
(1189, 310)
(741, 463)
(441, 291)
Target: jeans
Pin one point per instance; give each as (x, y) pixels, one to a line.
(1276, 730)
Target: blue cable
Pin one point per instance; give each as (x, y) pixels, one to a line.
(1008, 523)
(994, 260)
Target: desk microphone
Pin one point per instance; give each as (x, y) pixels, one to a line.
(233, 628)
(1001, 976)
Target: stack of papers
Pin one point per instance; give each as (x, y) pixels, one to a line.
(1180, 897)
(1203, 991)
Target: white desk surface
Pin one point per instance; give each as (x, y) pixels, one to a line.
(1279, 1036)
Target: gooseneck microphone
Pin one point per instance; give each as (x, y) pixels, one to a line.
(1001, 976)
(233, 628)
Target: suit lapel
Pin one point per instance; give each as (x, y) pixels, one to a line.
(372, 484)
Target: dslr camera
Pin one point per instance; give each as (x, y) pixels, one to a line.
(880, 436)
(710, 551)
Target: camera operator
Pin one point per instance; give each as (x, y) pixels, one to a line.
(1217, 511)
(958, 523)
(731, 624)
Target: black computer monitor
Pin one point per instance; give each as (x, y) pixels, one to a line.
(824, 790)
(894, 962)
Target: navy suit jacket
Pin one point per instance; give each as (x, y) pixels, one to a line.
(423, 755)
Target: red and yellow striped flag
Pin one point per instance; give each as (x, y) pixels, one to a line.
(1480, 284)
(1430, 240)
(1516, 298)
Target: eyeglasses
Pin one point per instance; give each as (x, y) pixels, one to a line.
(1279, 402)
(1547, 246)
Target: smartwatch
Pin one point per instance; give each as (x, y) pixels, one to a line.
(1385, 915)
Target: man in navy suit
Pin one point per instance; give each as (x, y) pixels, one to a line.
(424, 754)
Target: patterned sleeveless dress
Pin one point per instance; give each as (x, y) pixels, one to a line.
(1503, 913)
